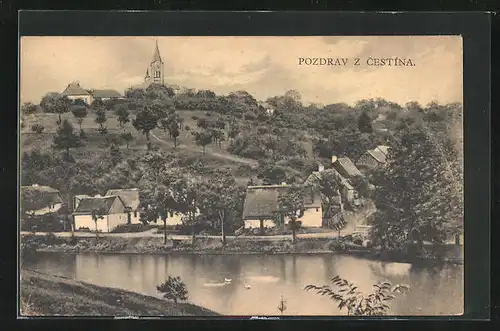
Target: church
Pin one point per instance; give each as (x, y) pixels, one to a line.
(155, 71)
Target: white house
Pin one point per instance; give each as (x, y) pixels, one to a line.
(130, 197)
(74, 91)
(113, 210)
(261, 206)
(40, 200)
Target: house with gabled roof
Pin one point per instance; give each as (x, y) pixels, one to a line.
(113, 209)
(373, 158)
(74, 92)
(40, 200)
(346, 167)
(106, 94)
(261, 206)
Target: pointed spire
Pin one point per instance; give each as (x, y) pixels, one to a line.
(147, 72)
(156, 56)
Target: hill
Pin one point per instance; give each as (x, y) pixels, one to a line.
(47, 295)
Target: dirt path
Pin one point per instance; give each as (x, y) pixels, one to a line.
(229, 157)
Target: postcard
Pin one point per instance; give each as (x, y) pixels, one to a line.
(261, 176)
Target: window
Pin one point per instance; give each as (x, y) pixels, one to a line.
(157, 74)
(135, 213)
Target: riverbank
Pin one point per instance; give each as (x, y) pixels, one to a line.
(103, 245)
(48, 295)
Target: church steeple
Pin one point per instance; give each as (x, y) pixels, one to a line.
(154, 74)
(156, 56)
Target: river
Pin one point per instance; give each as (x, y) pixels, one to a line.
(435, 290)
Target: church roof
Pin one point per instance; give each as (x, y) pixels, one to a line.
(156, 56)
(75, 89)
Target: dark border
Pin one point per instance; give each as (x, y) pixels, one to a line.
(474, 28)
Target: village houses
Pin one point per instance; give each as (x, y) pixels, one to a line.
(261, 207)
(373, 158)
(74, 92)
(112, 209)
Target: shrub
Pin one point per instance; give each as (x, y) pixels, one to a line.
(173, 289)
(38, 128)
(83, 135)
(187, 128)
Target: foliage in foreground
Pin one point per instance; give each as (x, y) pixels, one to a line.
(173, 289)
(357, 303)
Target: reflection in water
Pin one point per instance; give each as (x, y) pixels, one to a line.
(435, 290)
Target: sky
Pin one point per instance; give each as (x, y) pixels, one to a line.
(263, 66)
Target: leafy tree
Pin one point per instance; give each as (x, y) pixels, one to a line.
(127, 137)
(418, 196)
(145, 122)
(101, 119)
(186, 193)
(48, 102)
(219, 197)
(291, 205)
(97, 214)
(122, 115)
(202, 139)
(97, 104)
(365, 123)
(65, 138)
(38, 128)
(174, 132)
(173, 289)
(357, 303)
(115, 154)
(79, 112)
(61, 106)
(271, 173)
(28, 108)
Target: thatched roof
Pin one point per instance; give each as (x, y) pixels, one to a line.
(129, 196)
(261, 202)
(38, 197)
(87, 205)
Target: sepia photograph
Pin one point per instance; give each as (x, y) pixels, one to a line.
(241, 176)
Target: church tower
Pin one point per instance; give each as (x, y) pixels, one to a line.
(154, 74)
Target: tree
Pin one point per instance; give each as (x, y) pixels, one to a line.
(202, 139)
(80, 112)
(61, 106)
(65, 138)
(122, 115)
(115, 154)
(358, 304)
(127, 137)
(28, 108)
(97, 214)
(365, 123)
(174, 132)
(145, 122)
(48, 102)
(173, 289)
(291, 206)
(418, 196)
(186, 193)
(101, 119)
(219, 196)
(38, 128)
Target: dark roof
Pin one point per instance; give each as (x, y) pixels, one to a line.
(106, 94)
(343, 181)
(38, 197)
(262, 201)
(346, 164)
(86, 205)
(75, 89)
(129, 196)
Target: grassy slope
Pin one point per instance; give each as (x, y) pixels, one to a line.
(215, 156)
(43, 294)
